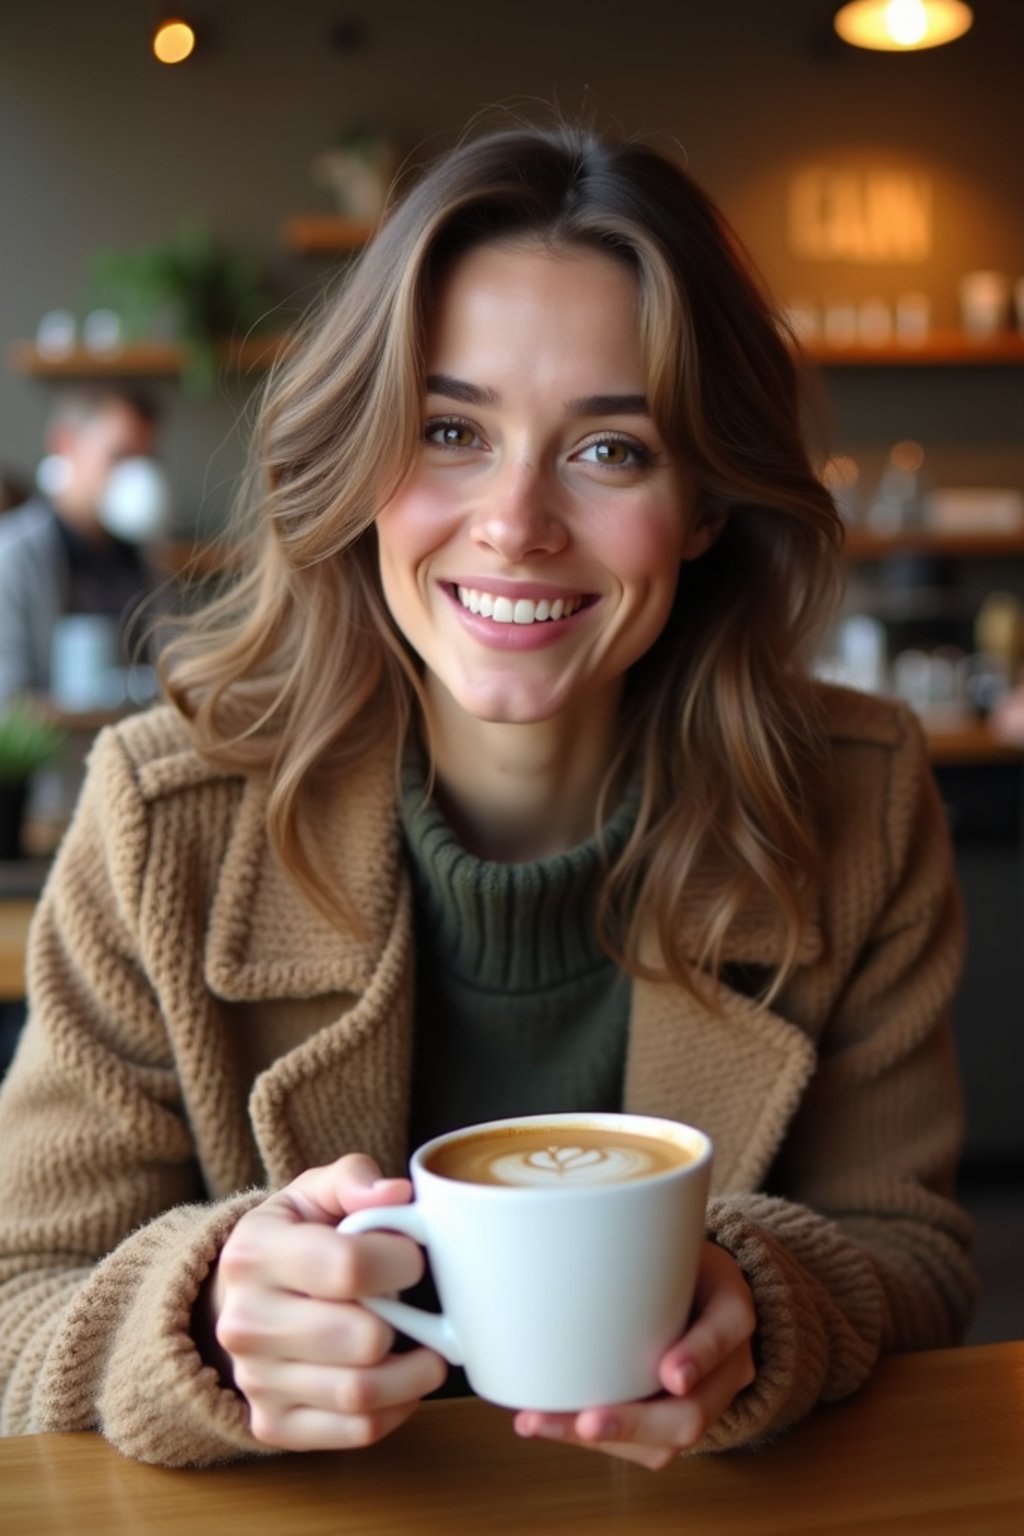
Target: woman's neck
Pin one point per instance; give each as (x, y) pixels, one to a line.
(515, 793)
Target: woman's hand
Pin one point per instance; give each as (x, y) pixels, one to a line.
(701, 1374)
(314, 1365)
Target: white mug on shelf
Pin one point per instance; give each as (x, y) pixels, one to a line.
(839, 325)
(913, 318)
(56, 333)
(84, 655)
(874, 322)
(984, 303)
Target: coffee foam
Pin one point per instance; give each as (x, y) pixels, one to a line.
(556, 1157)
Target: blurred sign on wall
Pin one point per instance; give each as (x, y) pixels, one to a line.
(869, 215)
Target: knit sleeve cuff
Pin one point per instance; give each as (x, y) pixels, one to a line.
(124, 1359)
(790, 1343)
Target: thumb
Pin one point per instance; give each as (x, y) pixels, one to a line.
(353, 1183)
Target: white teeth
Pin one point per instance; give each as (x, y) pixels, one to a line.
(523, 611)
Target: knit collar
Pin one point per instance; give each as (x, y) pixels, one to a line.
(252, 949)
(506, 926)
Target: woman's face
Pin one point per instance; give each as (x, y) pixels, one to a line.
(531, 555)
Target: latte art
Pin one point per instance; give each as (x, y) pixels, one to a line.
(556, 1157)
(566, 1159)
(574, 1165)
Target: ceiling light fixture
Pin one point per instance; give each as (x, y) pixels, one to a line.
(173, 41)
(899, 26)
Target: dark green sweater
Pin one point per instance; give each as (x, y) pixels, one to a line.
(518, 1009)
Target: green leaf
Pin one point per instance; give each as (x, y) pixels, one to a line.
(27, 743)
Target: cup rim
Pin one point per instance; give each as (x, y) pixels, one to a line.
(656, 1126)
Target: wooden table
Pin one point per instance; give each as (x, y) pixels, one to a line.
(15, 915)
(933, 1445)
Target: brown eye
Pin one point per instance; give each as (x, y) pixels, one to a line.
(449, 434)
(616, 453)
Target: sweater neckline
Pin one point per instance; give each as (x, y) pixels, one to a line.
(505, 927)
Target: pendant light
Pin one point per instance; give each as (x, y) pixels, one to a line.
(173, 41)
(899, 26)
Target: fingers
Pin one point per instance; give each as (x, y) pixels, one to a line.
(325, 1332)
(316, 1260)
(703, 1372)
(654, 1431)
(547, 1427)
(304, 1406)
(327, 1194)
(679, 1422)
(314, 1365)
(723, 1319)
(310, 1429)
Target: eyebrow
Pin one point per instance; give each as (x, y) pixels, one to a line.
(608, 405)
(583, 405)
(460, 389)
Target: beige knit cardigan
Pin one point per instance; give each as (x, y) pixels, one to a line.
(198, 1035)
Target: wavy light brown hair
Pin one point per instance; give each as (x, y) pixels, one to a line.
(298, 669)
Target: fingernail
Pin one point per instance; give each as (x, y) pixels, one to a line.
(685, 1378)
(605, 1427)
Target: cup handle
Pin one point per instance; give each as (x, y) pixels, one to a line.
(430, 1328)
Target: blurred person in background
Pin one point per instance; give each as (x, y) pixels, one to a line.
(61, 551)
(13, 489)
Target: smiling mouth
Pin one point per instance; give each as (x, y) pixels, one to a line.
(521, 610)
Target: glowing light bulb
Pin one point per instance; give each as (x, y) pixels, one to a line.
(174, 41)
(898, 26)
(907, 21)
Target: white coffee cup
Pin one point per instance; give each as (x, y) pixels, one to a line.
(136, 501)
(984, 303)
(84, 653)
(564, 1292)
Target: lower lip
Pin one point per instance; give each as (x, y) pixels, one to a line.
(516, 637)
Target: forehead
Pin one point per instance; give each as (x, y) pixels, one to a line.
(519, 301)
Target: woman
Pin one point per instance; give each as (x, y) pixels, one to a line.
(497, 784)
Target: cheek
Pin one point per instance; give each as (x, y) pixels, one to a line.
(405, 536)
(411, 527)
(647, 547)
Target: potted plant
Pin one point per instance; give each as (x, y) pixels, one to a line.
(27, 744)
(190, 288)
(357, 171)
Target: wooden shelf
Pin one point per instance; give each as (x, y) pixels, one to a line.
(972, 742)
(158, 359)
(325, 235)
(136, 360)
(942, 349)
(862, 544)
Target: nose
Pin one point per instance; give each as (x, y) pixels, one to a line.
(519, 514)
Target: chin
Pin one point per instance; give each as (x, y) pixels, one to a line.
(504, 708)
